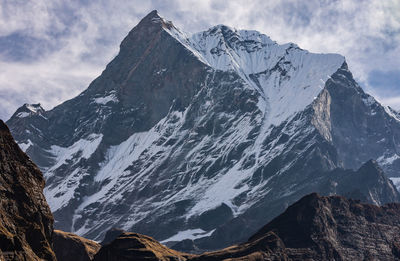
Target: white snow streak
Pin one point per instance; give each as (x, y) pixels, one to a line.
(188, 234)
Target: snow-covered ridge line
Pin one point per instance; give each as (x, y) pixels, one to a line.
(288, 78)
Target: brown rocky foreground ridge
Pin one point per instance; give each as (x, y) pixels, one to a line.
(314, 228)
(26, 222)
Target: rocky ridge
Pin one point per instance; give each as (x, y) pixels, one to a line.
(26, 223)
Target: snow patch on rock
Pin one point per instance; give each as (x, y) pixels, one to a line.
(396, 182)
(25, 146)
(387, 160)
(106, 99)
(188, 234)
(59, 195)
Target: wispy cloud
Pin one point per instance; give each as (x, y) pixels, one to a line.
(51, 50)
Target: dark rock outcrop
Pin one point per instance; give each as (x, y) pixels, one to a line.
(314, 228)
(68, 246)
(26, 222)
(336, 228)
(111, 235)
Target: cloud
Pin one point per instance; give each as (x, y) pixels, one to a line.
(51, 50)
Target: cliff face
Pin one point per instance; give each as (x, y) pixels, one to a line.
(26, 222)
(314, 228)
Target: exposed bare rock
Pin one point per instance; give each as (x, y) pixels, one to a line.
(67, 245)
(26, 222)
(336, 228)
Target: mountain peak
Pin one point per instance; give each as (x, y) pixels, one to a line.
(28, 110)
(154, 18)
(153, 13)
(33, 107)
(149, 26)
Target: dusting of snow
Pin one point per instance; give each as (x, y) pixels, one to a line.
(369, 100)
(140, 146)
(25, 146)
(59, 195)
(23, 114)
(106, 99)
(119, 157)
(188, 234)
(85, 147)
(384, 160)
(33, 107)
(396, 182)
(391, 113)
(161, 71)
(222, 190)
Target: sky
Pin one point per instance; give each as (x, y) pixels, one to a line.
(50, 51)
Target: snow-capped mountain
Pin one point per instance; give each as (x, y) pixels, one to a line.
(204, 135)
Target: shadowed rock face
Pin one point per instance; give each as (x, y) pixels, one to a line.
(26, 222)
(314, 228)
(335, 228)
(68, 246)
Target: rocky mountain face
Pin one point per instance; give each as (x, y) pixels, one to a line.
(26, 223)
(314, 228)
(203, 138)
(335, 228)
(68, 246)
(368, 184)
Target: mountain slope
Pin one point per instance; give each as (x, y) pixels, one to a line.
(314, 228)
(187, 137)
(335, 228)
(26, 222)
